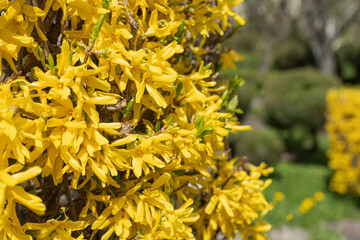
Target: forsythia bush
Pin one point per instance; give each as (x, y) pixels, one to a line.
(112, 125)
(344, 133)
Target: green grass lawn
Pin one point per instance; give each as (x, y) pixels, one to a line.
(300, 181)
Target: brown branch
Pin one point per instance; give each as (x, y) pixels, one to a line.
(241, 162)
(181, 187)
(88, 51)
(49, 19)
(117, 107)
(41, 26)
(134, 25)
(22, 111)
(59, 40)
(70, 201)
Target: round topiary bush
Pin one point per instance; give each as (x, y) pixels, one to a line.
(297, 96)
(292, 53)
(259, 145)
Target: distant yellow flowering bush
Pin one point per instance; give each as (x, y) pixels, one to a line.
(344, 132)
(112, 123)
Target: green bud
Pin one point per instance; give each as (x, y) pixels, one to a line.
(129, 107)
(96, 29)
(51, 62)
(157, 126)
(199, 124)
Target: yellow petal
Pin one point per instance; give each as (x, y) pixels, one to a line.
(155, 95)
(140, 92)
(102, 218)
(111, 125)
(100, 139)
(210, 207)
(224, 201)
(104, 100)
(94, 82)
(76, 125)
(163, 179)
(32, 11)
(11, 130)
(137, 163)
(191, 218)
(124, 140)
(26, 175)
(32, 202)
(151, 159)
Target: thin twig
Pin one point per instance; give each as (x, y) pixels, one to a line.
(22, 111)
(182, 186)
(240, 163)
(70, 201)
(62, 32)
(88, 51)
(134, 25)
(41, 26)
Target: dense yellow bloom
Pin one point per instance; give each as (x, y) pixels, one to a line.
(342, 126)
(11, 193)
(117, 125)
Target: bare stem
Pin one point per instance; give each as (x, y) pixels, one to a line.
(134, 25)
(181, 187)
(70, 201)
(62, 32)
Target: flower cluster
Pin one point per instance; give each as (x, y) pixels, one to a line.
(112, 123)
(344, 133)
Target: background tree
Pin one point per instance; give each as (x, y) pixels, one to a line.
(325, 22)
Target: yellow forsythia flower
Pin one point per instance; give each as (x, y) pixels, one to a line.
(342, 127)
(112, 123)
(279, 196)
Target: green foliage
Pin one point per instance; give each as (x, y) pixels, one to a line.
(348, 57)
(259, 145)
(297, 97)
(243, 42)
(248, 69)
(292, 53)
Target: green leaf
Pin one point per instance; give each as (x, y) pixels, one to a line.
(51, 62)
(169, 120)
(157, 126)
(70, 57)
(233, 103)
(129, 107)
(41, 55)
(238, 111)
(106, 4)
(199, 124)
(208, 130)
(178, 89)
(181, 31)
(225, 95)
(96, 29)
(235, 83)
(207, 67)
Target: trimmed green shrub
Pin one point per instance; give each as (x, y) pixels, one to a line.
(292, 53)
(297, 96)
(348, 57)
(258, 145)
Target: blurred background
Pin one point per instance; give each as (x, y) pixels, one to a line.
(294, 52)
